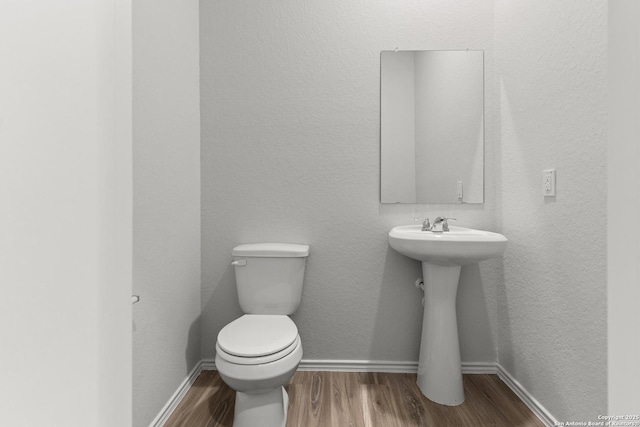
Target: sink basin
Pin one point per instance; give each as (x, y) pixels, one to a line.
(459, 246)
(442, 255)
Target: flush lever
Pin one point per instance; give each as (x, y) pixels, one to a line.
(239, 263)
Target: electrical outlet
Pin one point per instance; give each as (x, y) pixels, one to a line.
(460, 190)
(549, 182)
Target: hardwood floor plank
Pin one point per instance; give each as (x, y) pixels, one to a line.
(378, 408)
(477, 399)
(500, 400)
(309, 401)
(408, 397)
(220, 409)
(352, 399)
(370, 377)
(210, 401)
(346, 398)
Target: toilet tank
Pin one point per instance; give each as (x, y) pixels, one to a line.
(269, 276)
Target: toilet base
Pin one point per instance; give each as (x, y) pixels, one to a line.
(263, 409)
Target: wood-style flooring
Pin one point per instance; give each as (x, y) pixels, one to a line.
(345, 399)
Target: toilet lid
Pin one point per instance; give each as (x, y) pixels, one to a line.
(254, 335)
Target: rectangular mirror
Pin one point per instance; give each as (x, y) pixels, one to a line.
(432, 126)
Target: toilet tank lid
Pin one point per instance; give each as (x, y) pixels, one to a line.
(271, 250)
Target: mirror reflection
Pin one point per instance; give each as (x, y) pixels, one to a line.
(432, 126)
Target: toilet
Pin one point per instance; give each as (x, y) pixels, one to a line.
(259, 352)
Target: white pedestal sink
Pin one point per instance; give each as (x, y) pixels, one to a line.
(442, 254)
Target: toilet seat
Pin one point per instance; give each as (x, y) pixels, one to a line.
(259, 360)
(255, 339)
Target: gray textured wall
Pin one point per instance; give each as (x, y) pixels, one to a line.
(291, 152)
(551, 61)
(166, 245)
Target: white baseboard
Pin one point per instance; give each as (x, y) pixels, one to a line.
(479, 368)
(369, 366)
(357, 366)
(175, 399)
(533, 404)
(209, 365)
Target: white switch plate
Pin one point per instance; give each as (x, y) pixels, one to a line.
(460, 190)
(549, 182)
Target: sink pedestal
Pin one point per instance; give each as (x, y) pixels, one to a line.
(442, 254)
(439, 372)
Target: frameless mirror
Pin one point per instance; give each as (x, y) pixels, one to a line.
(432, 126)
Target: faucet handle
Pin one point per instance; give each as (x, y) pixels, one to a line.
(426, 225)
(442, 221)
(445, 226)
(445, 223)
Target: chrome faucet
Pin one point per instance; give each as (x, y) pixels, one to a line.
(441, 224)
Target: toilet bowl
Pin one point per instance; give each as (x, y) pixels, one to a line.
(258, 353)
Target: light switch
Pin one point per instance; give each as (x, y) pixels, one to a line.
(549, 182)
